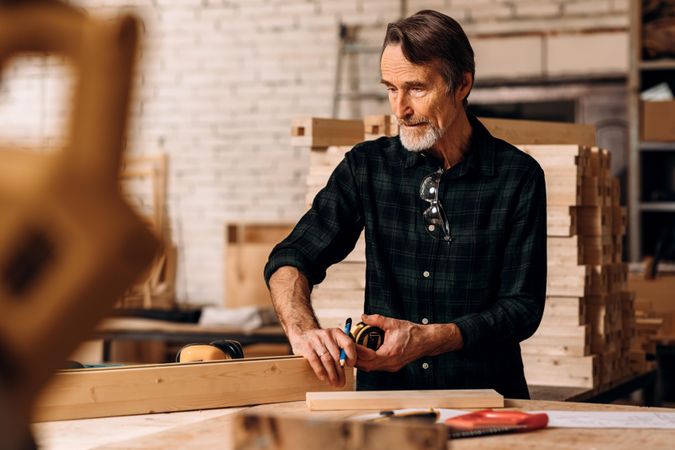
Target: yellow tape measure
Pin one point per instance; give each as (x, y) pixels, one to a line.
(368, 335)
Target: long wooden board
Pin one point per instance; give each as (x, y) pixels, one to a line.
(447, 398)
(158, 388)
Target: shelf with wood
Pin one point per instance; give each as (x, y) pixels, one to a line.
(651, 156)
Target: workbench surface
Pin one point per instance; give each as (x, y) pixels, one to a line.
(213, 429)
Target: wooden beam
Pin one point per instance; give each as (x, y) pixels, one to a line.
(80, 394)
(316, 132)
(386, 400)
(518, 132)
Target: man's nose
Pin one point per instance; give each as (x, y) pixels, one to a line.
(401, 107)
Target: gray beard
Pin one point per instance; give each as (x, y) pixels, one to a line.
(413, 142)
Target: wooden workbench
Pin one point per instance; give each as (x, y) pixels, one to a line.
(213, 429)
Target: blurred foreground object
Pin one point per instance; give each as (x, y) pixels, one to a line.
(69, 244)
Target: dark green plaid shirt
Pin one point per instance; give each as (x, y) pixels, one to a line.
(490, 279)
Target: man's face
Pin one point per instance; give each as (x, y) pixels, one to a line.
(420, 99)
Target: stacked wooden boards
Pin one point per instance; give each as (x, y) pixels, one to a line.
(588, 321)
(584, 337)
(341, 294)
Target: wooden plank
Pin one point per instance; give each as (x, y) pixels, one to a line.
(120, 391)
(561, 220)
(519, 132)
(386, 400)
(578, 371)
(561, 160)
(289, 432)
(564, 307)
(593, 220)
(319, 132)
(591, 192)
(580, 332)
(555, 346)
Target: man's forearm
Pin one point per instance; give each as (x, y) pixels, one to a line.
(442, 338)
(289, 289)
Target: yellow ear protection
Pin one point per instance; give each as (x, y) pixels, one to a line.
(216, 350)
(368, 335)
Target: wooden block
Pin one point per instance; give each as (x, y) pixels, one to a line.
(573, 281)
(570, 310)
(555, 346)
(561, 220)
(282, 431)
(564, 251)
(580, 332)
(560, 161)
(591, 192)
(316, 132)
(120, 391)
(600, 162)
(378, 126)
(518, 132)
(619, 218)
(608, 196)
(615, 195)
(593, 220)
(386, 400)
(597, 249)
(577, 371)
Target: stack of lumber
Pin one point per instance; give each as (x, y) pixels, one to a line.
(647, 328)
(341, 294)
(143, 181)
(585, 335)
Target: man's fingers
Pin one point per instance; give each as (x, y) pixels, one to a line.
(330, 367)
(316, 365)
(376, 320)
(347, 344)
(364, 353)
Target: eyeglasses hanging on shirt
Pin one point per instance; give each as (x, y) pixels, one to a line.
(436, 222)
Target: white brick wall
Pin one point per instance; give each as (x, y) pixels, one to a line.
(220, 81)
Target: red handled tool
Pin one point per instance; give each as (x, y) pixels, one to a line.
(488, 421)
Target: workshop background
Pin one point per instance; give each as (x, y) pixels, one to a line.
(220, 81)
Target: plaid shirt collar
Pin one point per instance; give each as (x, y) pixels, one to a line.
(480, 157)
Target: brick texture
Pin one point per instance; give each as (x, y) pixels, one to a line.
(220, 80)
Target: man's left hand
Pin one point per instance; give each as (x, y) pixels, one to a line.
(404, 342)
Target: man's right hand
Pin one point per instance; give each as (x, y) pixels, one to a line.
(321, 347)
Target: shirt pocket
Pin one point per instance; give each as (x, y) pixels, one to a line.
(476, 258)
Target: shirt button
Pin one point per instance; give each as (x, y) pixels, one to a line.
(426, 274)
(425, 366)
(425, 321)
(432, 227)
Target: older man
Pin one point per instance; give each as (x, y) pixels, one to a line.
(455, 229)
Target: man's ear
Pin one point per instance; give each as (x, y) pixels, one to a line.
(463, 91)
